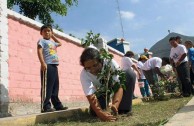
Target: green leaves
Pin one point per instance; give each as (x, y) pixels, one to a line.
(162, 87)
(105, 54)
(42, 8)
(91, 38)
(109, 85)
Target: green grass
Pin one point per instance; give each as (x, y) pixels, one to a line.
(146, 114)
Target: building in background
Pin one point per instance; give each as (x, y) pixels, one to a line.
(119, 44)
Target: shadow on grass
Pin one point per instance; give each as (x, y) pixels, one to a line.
(80, 117)
(76, 116)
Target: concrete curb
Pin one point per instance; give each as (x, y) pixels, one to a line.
(45, 117)
(184, 117)
(39, 118)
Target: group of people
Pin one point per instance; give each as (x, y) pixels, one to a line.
(181, 63)
(146, 70)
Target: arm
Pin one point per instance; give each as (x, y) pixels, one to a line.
(104, 116)
(41, 59)
(181, 59)
(136, 69)
(189, 58)
(56, 40)
(159, 72)
(172, 62)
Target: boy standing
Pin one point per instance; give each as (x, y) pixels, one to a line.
(178, 57)
(48, 58)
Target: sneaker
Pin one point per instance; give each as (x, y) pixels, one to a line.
(47, 110)
(61, 108)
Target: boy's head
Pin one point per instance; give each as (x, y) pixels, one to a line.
(188, 44)
(173, 42)
(129, 54)
(46, 26)
(46, 31)
(165, 61)
(178, 39)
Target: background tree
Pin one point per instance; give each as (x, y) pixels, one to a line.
(42, 9)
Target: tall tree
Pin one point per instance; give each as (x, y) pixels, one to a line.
(42, 8)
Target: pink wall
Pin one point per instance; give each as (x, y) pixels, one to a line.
(24, 66)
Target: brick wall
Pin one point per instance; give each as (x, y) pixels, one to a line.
(24, 67)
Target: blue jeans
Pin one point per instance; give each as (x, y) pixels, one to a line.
(145, 90)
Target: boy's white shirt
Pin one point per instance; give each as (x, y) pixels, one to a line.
(140, 65)
(90, 82)
(152, 63)
(126, 63)
(177, 52)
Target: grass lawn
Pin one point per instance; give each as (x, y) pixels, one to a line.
(146, 114)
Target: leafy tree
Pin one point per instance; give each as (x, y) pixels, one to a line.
(42, 8)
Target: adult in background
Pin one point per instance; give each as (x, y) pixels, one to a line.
(151, 70)
(147, 53)
(179, 40)
(127, 66)
(92, 65)
(145, 89)
(178, 58)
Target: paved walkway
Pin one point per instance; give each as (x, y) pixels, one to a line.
(184, 117)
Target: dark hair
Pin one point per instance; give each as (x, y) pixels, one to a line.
(178, 37)
(90, 54)
(172, 38)
(166, 60)
(46, 26)
(129, 54)
(189, 42)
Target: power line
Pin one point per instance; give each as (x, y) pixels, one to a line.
(121, 23)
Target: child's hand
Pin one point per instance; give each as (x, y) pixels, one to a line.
(106, 116)
(43, 67)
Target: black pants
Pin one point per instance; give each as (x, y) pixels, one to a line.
(191, 76)
(126, 102)
(184, 76)
(50, 88)
(151, 76)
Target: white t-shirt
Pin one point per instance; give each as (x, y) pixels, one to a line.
(152, 63)
(140, 65)
(126, 63)
(177, 52)
(90, 82)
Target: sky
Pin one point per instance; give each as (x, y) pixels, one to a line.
(144, 21)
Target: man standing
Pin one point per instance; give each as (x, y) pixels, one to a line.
(179, 60)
